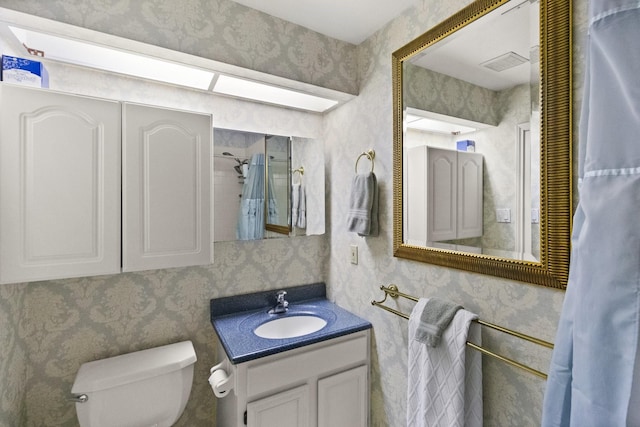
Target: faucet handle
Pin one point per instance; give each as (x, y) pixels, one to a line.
(280, 296)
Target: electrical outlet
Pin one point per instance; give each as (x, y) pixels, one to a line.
(354, 254)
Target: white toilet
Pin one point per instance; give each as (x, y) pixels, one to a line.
(147, 388)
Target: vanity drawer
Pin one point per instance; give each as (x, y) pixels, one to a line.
(278, 372)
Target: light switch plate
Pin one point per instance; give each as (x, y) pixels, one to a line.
(503, 215)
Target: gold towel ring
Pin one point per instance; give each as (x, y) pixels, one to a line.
(371, 154)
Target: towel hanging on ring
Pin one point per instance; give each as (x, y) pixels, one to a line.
(362, 217)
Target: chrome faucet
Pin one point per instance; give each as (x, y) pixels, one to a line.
(281, 304)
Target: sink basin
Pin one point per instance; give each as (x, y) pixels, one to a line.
(290, 327)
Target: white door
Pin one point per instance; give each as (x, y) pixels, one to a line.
(287, 409)
(342, 399)
(166, 188)
(60, 181)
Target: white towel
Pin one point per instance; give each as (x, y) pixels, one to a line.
(298, 206)
(445, 382)
(295, 203)
(302, 208)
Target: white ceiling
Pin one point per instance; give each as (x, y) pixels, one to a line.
(352, 21)
(462, 54)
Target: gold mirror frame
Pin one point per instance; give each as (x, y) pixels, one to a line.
(555, 157)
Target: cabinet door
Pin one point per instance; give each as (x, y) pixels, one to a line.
(470, 209)
(166, 188)
(342, 399)
(60, 180)
(287, 409)
(415, 219)
(442, 182)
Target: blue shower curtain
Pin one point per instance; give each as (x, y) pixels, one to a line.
(251, 216)
(594, 379)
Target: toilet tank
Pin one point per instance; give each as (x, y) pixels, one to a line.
(147, 388)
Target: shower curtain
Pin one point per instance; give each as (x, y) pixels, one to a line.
(594, 379)
(251, 216)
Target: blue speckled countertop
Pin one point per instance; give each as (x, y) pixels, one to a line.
(235, 318)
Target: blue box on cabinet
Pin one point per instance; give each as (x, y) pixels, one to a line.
(24, 71)
(466, 145)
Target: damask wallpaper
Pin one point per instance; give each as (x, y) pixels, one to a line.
(430, 91)
(13, 356)
(48, 328)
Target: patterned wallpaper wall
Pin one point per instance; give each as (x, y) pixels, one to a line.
(430, 91)
(49, 328)
(511, 397)
(13, 356)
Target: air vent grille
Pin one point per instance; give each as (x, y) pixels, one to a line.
(504, 62)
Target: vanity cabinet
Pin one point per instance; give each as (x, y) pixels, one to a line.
(65, 211)
(446, 191)
(319, 385)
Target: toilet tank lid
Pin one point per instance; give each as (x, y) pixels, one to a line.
(137, 366)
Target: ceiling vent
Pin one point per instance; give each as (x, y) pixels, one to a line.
(504, 62)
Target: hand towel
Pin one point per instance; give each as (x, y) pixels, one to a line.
(295, 203)
(364, 194)
(445, 382)
(302, 208)
(373, 216)
(435, 318)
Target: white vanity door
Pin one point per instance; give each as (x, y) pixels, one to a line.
(166, 188)
(60, 185)
(286, 409)
(342, 399)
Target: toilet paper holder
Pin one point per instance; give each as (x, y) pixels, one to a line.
(220, 381)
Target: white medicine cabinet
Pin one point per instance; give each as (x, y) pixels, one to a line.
(446, 188)
(92, 186)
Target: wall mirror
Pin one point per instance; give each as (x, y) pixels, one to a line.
(482, 142)
(267, 186)
(278, 189)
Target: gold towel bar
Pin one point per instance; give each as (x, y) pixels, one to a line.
(393, 292)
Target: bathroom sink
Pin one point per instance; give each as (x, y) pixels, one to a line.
(290, 327)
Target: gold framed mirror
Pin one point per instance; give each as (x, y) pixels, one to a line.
(524, 233)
